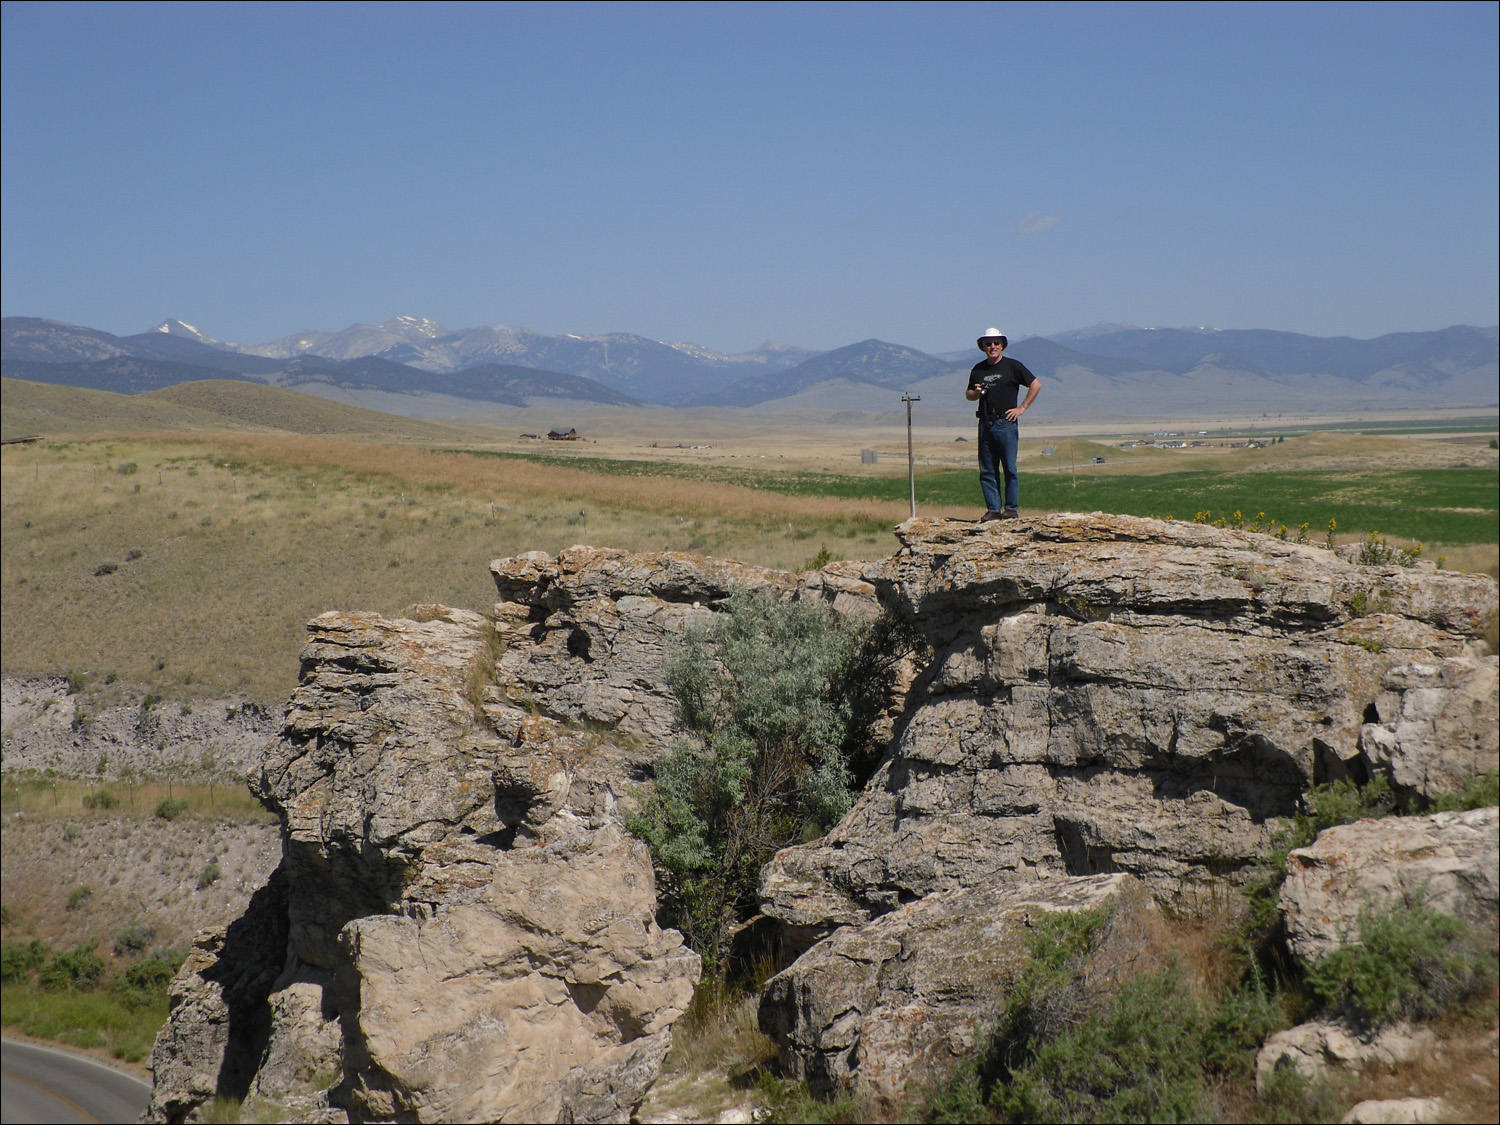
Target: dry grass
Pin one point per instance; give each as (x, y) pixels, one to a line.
(1476, 558)
(74, 879)
(718, 1052)
(1461, 1068)
(47, 799)
(222, 548)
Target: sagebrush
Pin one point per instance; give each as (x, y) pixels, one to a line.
(778, 700)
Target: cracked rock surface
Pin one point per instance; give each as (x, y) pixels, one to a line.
(459, 930)
(1106, 696)
(1109, 693)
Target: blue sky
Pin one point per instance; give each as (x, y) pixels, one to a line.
(733, 173)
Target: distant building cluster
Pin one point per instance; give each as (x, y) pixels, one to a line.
(1168, 439)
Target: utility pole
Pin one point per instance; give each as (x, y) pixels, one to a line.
(911, 460)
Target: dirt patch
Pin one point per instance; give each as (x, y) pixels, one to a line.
(78, 880)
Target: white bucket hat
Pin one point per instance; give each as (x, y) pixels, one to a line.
(992, 333)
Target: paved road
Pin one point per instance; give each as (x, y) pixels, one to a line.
(43, 1085)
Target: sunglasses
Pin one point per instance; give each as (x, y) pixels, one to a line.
(994, 344)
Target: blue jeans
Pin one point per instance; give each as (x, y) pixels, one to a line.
(997, 448)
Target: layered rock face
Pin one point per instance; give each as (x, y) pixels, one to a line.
(594, 626)
(1112, 695)
(1117, 694)
(459, 929)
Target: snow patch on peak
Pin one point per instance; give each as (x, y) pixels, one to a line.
(181, 328)
(698, 351)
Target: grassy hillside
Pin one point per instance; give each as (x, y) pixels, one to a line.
(190, 565)
(50, 410)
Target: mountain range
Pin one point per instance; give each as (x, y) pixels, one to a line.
(1114, 369)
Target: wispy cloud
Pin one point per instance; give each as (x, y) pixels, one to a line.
(1038, 221)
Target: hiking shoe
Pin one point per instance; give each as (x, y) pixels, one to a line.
(1008, 514)
(989, 516)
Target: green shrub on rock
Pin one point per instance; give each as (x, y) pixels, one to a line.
(1134, 1055)
(1410, 962)
(1324, 806)
(780, 698)
(1481, 791)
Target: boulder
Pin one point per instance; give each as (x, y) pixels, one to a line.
(1396, 1111)
(1449, 861)
(899, 999)
(1312, 1048)
(467, 932)
(1434, 726)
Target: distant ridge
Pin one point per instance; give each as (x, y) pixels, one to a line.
(871, 361)
(1102, 369)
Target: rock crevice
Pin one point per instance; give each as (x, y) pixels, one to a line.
(1109, 693)
(462, 931)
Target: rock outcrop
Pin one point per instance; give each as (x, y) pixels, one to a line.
(1106, 695)
(1109, 693)
(1106, 702)
(459, 929)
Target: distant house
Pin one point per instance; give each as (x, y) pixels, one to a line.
(569, 435)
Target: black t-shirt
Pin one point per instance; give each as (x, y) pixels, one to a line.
(1001, 385)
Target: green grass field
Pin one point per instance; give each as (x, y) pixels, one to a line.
(98, 1020)
(1449, 506)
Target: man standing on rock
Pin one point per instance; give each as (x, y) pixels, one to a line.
(995, 383)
